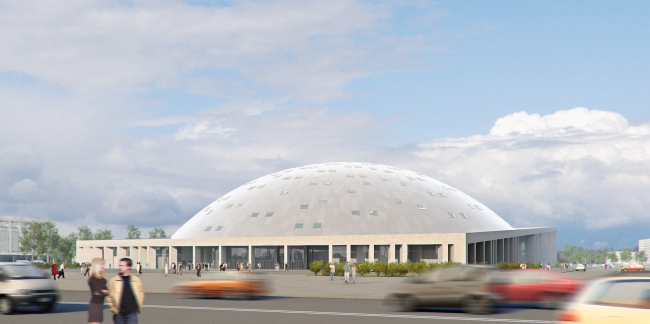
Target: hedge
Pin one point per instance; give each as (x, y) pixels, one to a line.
(381, 268)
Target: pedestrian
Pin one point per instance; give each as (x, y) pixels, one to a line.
(139, 268)
(98, 291)
(180, 269)
(286, 267)
(125, 294)
(249, 267)
(54, 272)
(62, 271)
(277, 267)
(346, 271)
(81, 269)
(354, 272)
(198, 269)
(332, 270)
(87, 269)
(166, 269)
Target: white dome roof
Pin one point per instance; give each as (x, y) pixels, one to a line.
(341, 198)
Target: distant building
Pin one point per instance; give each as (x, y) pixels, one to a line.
(337, 212)
(10, 233)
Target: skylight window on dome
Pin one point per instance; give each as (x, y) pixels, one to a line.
(388, 171)
(298, 177)
(269, 214)
(219, 228)
(366, 182)
(431, 193)
(229, 205)
(313, 183)
(405, 183)
(421, 179)
(321, 170)
(348, 166)
(332, 170)
(357, 166)
(207, 228)
(373, 168)
(318, 224)
(373, 213)
(322, 201)
(239, 205)
(470, 206)
(422, 207)
(251, 188)
(442, 195)
(298, 225)
(262, 186)
(410, 178)
(286, 178)
(363, 176)
(452, 215)
(399, 201)
(383, 179)
(478, 207)
(304, 206)
(284, 192)
(327, 183)
(209, 212)
(463, 215)
(350, 175)
(356, 212)
(255, 214)
(352, 190)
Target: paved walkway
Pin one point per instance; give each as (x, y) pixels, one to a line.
(295, 283)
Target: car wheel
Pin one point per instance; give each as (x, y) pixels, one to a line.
(6, 305)
(623, 269)
(479, 306)
(551, 301)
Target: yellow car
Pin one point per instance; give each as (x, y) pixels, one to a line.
(633, 267)
(222, 284)
(624, 298)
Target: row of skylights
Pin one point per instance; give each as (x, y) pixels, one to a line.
(268, 214)
(230, 205)
(453, 215)
(316, 225)
(210, 227)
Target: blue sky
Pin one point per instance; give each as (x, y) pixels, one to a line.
(135, 112)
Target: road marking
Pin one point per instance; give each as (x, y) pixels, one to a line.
(284, 311)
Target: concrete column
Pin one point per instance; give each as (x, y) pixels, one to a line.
(219, 255)
(391, 253)
(348, 252)
(286, 256)
(404, 253)
(330, 254)
(151, 257)
(442, 253)
(250, 255)
(194, 255)
(173, 255)
(371, 252)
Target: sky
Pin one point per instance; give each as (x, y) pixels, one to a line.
(137, 112)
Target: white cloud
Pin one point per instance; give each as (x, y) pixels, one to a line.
(579, 165)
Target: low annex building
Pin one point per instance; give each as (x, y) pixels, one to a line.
(337, 212)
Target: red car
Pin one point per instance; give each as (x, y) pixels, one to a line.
(547, 288)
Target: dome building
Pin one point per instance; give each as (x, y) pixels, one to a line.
(339, 211)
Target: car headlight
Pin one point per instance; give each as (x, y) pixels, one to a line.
(24, 292)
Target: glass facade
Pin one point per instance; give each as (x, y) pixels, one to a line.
(381, 253)
(234, 255)
(265, 257)
(358, 253)
(417, 253)
(339, 253)
(301, 256)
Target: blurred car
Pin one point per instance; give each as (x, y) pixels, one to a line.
(453, 286)
(633, 267)
(546, 288)
(623, 298)
(581, 266)
(224, 284)
(24, 284)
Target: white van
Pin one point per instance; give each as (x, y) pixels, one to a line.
(24, 284)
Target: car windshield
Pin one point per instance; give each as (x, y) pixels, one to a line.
(23, 271)
(623, 293)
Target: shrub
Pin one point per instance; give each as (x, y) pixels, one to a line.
(397, 269)
(380, 267)
(364, 267)
(339, 268)
(316, 267)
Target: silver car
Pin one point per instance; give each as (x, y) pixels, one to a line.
(24, 284)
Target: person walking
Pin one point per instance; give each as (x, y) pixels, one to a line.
(180, 269)
(286, 267)
(54, 272)
(139, 268)
(98, 291)
(249, 267)
(61, 271)
(332, 270)
(166, 269)
(125, 294)
(198, 269)
(346, 272)
(354, 272)
(87, 269)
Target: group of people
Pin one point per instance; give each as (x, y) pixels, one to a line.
(178, 269)
(347, 271)
(60, 271)
(241, 266)
(124, 293)
(523, 266)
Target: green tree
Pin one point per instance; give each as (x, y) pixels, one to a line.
(569, 251)
(641, 257)
(626, 255)
(611, 255)
(29, 239)
(40, 238)
(157, 233)
(67, 248)
(132, 232)
(582, 255)
(104, 234)
(316, 267)
(85, 233)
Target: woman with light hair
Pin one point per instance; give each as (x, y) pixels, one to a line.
(98, 291)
